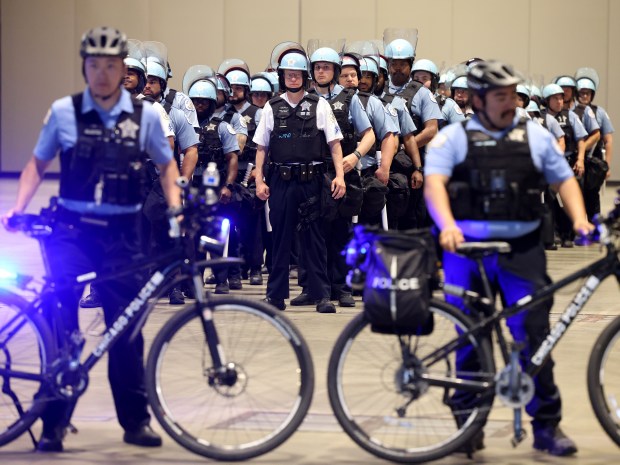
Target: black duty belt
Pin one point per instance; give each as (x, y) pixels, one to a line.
(303, 172)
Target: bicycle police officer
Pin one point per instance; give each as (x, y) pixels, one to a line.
(499, 147)
(297, 128)
(104, 137)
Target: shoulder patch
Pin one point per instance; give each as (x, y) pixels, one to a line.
(432, 97)
(438, 141)
(189, 106)
(231, 129)
(243, 121)
(457, 109)
(591, 113)
(391, 110)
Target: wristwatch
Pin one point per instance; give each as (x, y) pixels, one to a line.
(419, 168)
(230, 187)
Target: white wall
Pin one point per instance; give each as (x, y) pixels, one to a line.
(40, 41)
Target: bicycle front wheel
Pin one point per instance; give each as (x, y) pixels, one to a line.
(396, 398)
(26, 353)
(604, 379)
(259, 406)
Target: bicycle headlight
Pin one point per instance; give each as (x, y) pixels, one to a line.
(214, 234)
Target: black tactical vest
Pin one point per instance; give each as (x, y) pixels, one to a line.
(340, 106)
(295, 137)
(408, 93)
(569, 133)
(210, 146)
(497, 180)
(105, 165)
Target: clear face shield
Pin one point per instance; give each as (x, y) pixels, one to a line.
(194, 74)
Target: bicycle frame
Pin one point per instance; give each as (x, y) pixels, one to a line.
(595, 274)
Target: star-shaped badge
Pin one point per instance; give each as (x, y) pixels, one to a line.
(338, 105)
(305, 106)
(211, 127)
(129, 129)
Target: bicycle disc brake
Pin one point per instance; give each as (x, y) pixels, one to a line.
(230, 381)
(517, 393)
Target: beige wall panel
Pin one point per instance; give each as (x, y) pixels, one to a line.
(432, 19)
(252, 34)
(193, 31)
(610, 81)
(577, 39)
(38, 55)
(131, 17)
(327, 19)
(491, 29)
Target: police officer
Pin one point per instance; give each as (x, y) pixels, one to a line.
(427, 73)
(424, 110)
(185, 149)
(586, 88)
(261, 90)
(296, 128)
(495, 142)
(574, 151)
(96, 223)
(157, 53)
(358, 139)
(248, 225)
(585, 113)
(218, 144)
(460, 94)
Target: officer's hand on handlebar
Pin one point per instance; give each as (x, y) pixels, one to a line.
(339, 188)
(5, 220)
(450, 237)
(262, 190)
(583, 227)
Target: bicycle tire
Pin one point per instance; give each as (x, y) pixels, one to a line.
(364, 379)
(604, 379)
(25, 345)
(269, 399)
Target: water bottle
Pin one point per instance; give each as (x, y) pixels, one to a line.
(211, 180)
(211, 176)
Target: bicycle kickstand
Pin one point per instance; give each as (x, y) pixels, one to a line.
(519, 433)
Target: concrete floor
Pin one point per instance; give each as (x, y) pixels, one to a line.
(320, 439)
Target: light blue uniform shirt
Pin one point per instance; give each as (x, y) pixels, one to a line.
(589, 119)
(185, 104)
(257, 117)
(184, 133)
(552, 126)
(239, 126)
(59, 133)
(451, 112)
(423, 105)
(449, 148)
(357, 115)
(384, 121)
(603, 121)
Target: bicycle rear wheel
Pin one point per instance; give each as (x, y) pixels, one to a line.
(604, 379)
(398, 412)
(26, 352)
(270, 391)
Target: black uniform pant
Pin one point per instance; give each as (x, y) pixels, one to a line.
(74, 249)
(514, 275)
(289, 205)
(592, 199)
(250, 233)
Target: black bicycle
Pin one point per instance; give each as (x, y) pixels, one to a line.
(395, 395)
(227, 378)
